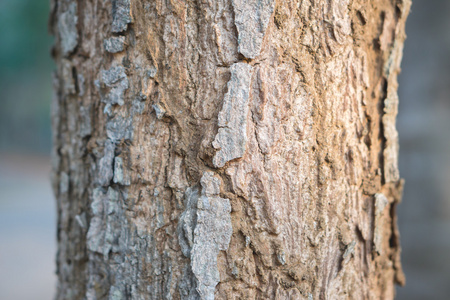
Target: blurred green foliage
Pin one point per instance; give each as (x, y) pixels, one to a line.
(25, 76)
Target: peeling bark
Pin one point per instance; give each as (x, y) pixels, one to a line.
(227, 149)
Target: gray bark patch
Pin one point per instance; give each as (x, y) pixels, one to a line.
(67, 76)
(159, 110)
(252, 18)
(204, 230)
(114, 44)
(67, 27)
(105, 165)
(188, 221)
(120, 177)
(119, 128)
(121, 15)
(117, 81)
(105, 232)
(231, 138)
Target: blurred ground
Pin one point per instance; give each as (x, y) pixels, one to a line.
(27, 209)
(27, 228)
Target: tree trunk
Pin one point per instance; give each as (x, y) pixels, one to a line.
(227, 149)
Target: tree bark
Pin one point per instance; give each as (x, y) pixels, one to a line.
(227, 149)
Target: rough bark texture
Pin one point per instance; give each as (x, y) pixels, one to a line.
(227, 149)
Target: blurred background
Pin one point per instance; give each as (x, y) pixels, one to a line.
(27, 210)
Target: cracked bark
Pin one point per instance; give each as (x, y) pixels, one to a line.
(227, 149)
